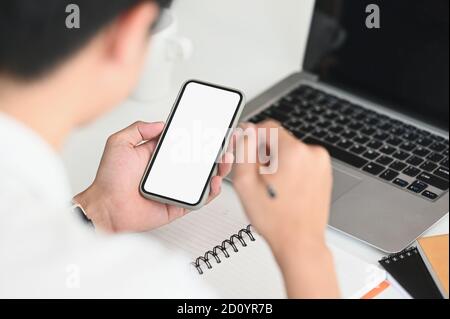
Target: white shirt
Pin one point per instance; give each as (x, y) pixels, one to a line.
(47, 252)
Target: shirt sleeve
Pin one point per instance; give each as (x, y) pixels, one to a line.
(56, 256)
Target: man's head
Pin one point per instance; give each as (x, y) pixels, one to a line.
(106, 52)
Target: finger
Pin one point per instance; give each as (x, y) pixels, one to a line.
(216, 188)
(175, 212)
(226, 164)
(138, 132)
(246, 168)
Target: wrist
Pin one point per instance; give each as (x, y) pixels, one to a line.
(95, 208)
(308, 270)
(287, 246)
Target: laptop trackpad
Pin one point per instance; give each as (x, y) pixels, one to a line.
(343, 183)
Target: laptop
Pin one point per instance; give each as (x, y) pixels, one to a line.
(377, 99)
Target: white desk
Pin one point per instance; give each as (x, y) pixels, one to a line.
(246, 44)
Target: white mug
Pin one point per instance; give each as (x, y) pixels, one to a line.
(166, 49)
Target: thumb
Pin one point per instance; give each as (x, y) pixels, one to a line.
(138, 132)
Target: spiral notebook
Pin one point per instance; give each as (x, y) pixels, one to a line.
(228, 255)
(408, 269)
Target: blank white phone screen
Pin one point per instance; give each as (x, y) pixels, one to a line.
(188, 152)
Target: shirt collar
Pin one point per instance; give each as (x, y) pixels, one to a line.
(26, 157)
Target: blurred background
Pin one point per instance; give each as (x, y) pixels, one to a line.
(242, 44)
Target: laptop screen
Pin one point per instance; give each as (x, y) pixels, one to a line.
(404, 63)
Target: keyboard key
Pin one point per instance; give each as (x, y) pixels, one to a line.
(385, 160)
(398, 166)
(386, 149)
(397, 131)
(339, 154)
(323, 124)
(368, 131)
(438, 138)
(417, 187)
(408, 146)
(433, 180)
(389, 175)
(428, 166)
(358, 149)
(375, 144)
(415, 161)
(442, 172)
(421, 151)
(277, 115)
(371, 155)
(409, 127)
(330, 115)
(319, 133)
(372, 121)
(425, 133)
(336, 129)
(355, 125)
(429, 195)
(394, 141)
(318, 110)
(435, 157)
(411, 171)
(311, 119)
(445, 153)
(400, 182)
(332, 138)
(386, 126)
(348, 134)
(342, 120)
(381, 136)
(345, 144)
(285, 108)
(347, 111)
(298, 113)
(445, 163)
(401, 155)
(373, 169)
(293, 124)
(410, 136)
(360, 139)
(438, 147)
(424, 141)
(360, 116)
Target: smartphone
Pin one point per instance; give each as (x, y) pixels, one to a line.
(196, 135)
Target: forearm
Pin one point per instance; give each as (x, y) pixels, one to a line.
(308, 270)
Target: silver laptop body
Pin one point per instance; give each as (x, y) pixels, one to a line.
(378, 212)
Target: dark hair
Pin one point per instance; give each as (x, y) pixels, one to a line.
(34, 37)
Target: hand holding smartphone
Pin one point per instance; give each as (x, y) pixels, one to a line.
(196, 134)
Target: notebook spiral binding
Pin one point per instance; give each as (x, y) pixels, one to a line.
(223, 247)
(401, 255)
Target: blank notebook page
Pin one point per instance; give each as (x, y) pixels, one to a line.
(252, 271)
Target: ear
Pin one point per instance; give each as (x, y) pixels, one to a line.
(129, 34)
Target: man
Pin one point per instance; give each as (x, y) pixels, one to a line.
(54, 79)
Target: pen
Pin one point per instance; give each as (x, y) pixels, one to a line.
(271, 192)
(269, 188)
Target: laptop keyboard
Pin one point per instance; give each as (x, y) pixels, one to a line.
(397, 153)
